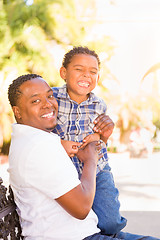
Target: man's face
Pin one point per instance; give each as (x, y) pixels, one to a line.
(81, 76)
(36, 106)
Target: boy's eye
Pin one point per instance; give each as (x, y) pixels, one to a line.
(78, 69)
(93, 72)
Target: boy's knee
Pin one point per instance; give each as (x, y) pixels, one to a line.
(112, 226)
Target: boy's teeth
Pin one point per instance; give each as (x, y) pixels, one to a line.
(83, 84)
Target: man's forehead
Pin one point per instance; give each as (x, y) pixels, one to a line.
(35, 81)
(35, 86)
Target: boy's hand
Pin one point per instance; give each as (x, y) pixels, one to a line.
(70, 147)
(90, 138)
(104, 126)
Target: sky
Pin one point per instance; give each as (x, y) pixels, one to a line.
(135, 26)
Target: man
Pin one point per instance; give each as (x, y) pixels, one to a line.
(52, 202)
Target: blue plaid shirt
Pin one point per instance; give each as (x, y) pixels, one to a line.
(75, 121)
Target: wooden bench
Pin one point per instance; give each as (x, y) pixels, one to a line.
(9, 220)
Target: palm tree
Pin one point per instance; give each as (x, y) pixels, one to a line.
(152, 75)
(153, 70)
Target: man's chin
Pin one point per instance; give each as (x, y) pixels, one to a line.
(50, 129)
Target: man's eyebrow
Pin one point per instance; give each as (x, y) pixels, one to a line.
(37, 94)
(50, 90)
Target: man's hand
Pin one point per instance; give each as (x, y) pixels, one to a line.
(104, 126)
(70, 147)
(89, 152)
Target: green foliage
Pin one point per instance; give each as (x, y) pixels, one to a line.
(30, 37)
(27, 35)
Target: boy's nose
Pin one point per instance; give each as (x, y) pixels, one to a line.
(86, 73)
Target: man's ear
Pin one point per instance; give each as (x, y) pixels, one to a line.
(63, 73)
(16, 112)
(98, 78)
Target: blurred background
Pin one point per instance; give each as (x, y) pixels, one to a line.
(35, 35)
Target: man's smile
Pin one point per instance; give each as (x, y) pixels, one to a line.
(48, 115)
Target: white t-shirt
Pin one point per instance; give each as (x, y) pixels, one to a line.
(41, 171)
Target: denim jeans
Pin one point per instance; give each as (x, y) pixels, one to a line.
(120, 235)
(106, 204)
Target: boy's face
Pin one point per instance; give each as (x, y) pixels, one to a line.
(81, 76)
(36, 106)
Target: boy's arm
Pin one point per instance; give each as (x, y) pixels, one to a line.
(104, 126)
(70, 147)
(90, 138)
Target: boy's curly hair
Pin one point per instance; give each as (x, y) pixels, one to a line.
(14, 88)
(78, 50)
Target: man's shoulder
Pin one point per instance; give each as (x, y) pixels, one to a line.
(44, 143)
(43, 136)
(35, 135)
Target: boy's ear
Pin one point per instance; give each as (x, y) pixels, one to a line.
(63, 73)
(16, 112)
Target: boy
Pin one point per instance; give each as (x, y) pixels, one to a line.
(78, 110)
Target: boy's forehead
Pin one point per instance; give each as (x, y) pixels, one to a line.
(83, 55)
(80, 58)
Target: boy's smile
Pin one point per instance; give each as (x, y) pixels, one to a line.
(81, 76)
(83, 84)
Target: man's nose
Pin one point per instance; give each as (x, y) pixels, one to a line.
(47, 103)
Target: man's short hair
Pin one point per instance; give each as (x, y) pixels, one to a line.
(14, 88)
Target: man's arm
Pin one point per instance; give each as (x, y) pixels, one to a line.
(79, 200)
(104, 126)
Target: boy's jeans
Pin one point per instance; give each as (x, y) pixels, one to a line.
(119, 236)
(106, 204)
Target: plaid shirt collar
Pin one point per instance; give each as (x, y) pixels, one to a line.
(62, 93)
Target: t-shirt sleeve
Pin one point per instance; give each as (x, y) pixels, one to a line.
(49, 169)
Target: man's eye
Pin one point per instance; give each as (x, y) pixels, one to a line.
(51, 96)
(36, 101)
